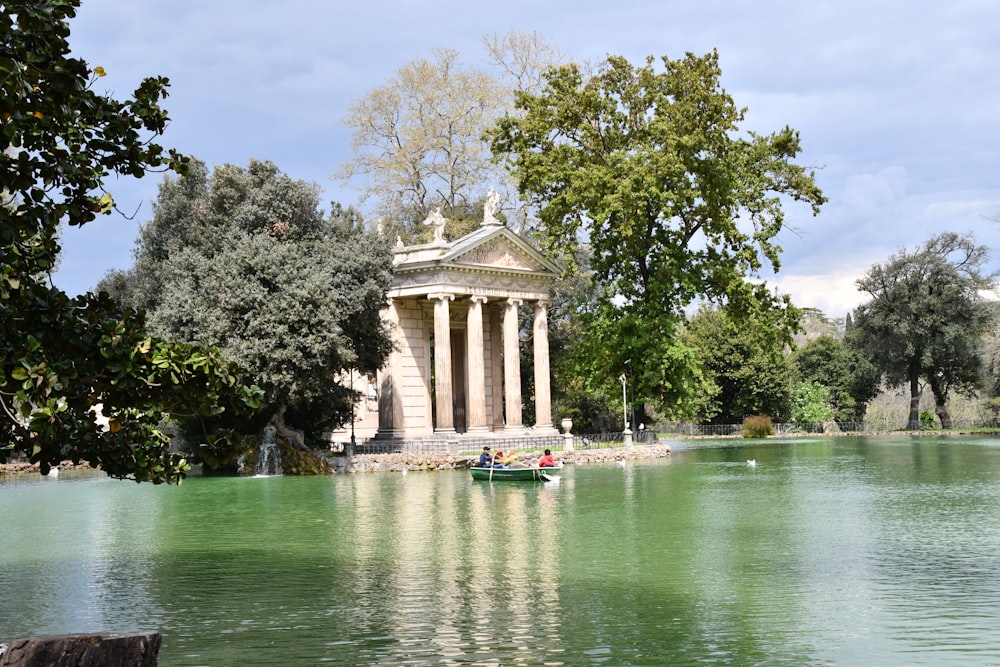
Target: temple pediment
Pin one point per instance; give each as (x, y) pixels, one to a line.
(493, 249)
(500, 254)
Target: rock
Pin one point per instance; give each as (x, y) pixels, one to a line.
(138, 649)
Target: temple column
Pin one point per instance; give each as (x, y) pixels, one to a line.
(390, 400)
(476, 356)
(543, 398)
(496, 368)
(512, 365)
(442, 363)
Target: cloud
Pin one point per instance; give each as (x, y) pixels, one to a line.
(836, 294)
(895, 101)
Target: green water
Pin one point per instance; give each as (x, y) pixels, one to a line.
(845, 551)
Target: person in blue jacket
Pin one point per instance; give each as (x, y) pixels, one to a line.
(485, 459)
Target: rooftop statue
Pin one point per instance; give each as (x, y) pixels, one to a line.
(438, 221)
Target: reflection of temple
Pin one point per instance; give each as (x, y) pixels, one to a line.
(453, 307)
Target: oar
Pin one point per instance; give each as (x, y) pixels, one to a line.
(491, 471)
(544, 476)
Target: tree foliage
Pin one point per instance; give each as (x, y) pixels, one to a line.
(926, 318)
(647, 166)
(991, 354)
(851, 379)
(745, 364)
(243, 259)
(810, 403)
(417, 141)
(80, 378)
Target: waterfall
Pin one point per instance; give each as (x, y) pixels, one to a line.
(269, 454)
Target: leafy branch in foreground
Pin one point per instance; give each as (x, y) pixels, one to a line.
(79, 377)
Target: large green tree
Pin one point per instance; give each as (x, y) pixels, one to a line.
(926, 319)
(648, 165)
(851, 379)
(744, 362)
(80, 378)
(244, 259)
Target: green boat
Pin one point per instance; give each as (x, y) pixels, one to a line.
(514, 474)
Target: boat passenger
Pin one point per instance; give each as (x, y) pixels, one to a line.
(511, 459)
(499, 460)
(547, 461)
(485, 459)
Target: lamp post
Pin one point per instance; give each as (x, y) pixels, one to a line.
(621, 378)
(353, 441)
(626, 434)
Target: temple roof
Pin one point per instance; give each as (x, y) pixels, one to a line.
(491, 261)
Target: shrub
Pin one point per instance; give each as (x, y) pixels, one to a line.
(758, 426)
(928, 421)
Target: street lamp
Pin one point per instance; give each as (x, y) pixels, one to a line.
(353, 406)
(622, 379)
(626, 434)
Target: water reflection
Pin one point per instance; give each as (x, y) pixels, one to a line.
(831, 552)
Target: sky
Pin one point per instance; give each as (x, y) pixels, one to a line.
(896, 101)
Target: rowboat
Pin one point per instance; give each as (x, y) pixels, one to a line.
(514, 474)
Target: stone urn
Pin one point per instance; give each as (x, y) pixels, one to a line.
(567, 426)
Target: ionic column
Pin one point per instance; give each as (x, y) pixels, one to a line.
(512, 365)
(442, 363)
(390, 406)
(543, 398)
(476, 356)
(496, 368)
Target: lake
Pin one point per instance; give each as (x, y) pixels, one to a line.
(830, 551)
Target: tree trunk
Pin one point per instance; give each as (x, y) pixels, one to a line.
(940, 402)
(295, 437)
(914, 422)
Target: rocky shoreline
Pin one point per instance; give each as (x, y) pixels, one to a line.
(399, 462)
(23, 467)
(415, 462)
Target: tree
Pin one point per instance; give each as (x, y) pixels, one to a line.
(646, 166)
(745, 363)
(81, 379)
(243, 259)
(523, 58)
(991, 354)
(589, 399)
(417, 141)
(926, 319)
(851, 379)
(810, 403)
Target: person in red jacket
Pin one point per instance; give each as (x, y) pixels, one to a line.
(547, 461)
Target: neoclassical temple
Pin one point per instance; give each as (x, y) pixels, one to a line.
(453, 308)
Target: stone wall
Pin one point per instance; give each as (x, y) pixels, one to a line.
(431, 461)
(443, 461)
(23, 467)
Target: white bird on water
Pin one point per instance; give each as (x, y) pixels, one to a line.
(752, 463)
